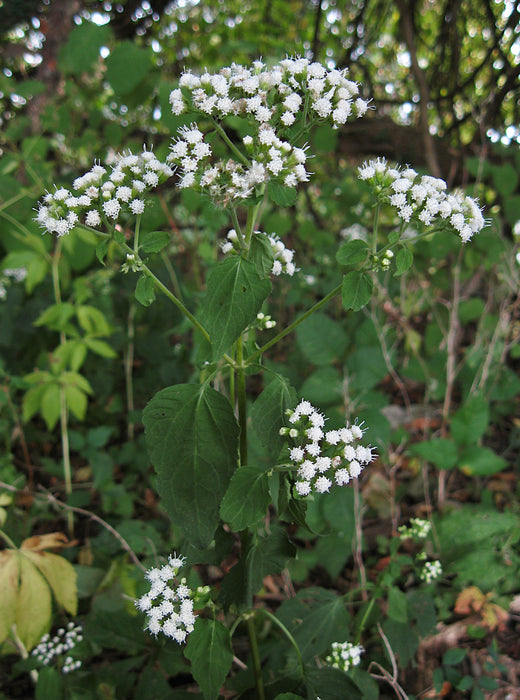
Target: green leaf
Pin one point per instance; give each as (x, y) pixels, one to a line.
(210, 653)
(505, 178)
(56, 317)
(235, 294)
(403, 260)
(397, 605)
(261, 254)
(481, 461)
(144, 290)
(321, 339)
(352, 252)
(330, 683)
(281, 195)
(100, 347)
(356, 290)
(246, 499)
(452, 657)
(403, 640)
(127, 65)
(50, 684)
(32, 401)
(92, 320)
(441, 452)
(81, 51)
(102, 250)
(268, 413)
(269, 556)
(316, 617)
(323, 387)
(192, 437)
(76, 401)
(50, 405)
(154, 241)
(470, 422)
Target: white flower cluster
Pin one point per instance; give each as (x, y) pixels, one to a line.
(431, 571)
(264, 321)
(323, 458)
(282, 256)
(168, 604)
(270, 100)
(419, 529)
(17, 274)
(423, 199)
(101, 197)
(65, 639)
(344, 655)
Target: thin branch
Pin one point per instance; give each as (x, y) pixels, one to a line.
(422, 85)
(124, 544)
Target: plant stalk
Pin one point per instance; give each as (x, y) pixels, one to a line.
(255, 655)
(294, 324)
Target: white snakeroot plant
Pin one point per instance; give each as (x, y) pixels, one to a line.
(103, 194)
(344, 655)
(56, 649)
(243, 144)
(423, 199)
(168, 605)
(323, 458)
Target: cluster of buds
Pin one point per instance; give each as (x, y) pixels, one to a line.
(58, 648)
(99, 197)
(423, 199)
(323, 458)
(169, 603)
(264, 322)
(270, 101)
(431, 571)
(9, 275)
(344, 655)
(282, 256)
(418, 529)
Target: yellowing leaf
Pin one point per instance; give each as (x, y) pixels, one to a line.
(52, 540)
(34, 609)
(469, 600)
(60, 575)
(9, 576)
(29, 577)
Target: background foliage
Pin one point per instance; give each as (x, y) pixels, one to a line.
(431, 364)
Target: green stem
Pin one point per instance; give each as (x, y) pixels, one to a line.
(136, 234)
(241, 400)
(65, 448)
(255, 655)
(294, 324)
(64, 412)
(172, 274)
(284, 629)
(376, 226)
(238, 229)
(129, 367)
(178, 303)
(251, 220)
(160, 286)
(364, 620)
(22, 650)
(8, 540)
(16, 198)
(230, 143)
